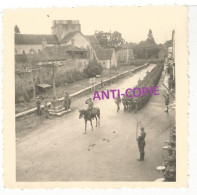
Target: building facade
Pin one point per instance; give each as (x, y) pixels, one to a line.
(124, 55)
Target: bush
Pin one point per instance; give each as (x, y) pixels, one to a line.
(68, 77)
(93, 69)
(22, 96)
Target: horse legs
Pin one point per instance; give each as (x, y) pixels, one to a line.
(99, 119)
(96, 121)
(91, 124)
(85, 126)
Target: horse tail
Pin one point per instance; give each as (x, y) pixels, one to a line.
(98, 112)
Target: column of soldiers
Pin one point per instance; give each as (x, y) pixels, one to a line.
(151, 79)
(168, 167)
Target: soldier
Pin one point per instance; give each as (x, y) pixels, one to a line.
(67, 101)
(130, 103)
(167, 101)
(124, 101)
(117, 101)
(141, 143)
(46, 109)
(136, 104)
(38, 105)
(170, 171)
(90, 105)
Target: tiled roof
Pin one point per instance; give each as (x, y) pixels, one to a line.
(104, 54)
(69, 36)
(55, 53)
(92, 39)
(96, 47)
(28, 39)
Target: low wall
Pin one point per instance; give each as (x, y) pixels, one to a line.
(87, 90)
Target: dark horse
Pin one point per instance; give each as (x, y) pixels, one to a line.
(89, 116)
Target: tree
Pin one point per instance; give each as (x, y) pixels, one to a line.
(16, 29)
(94, 68)
(150, 36)
(146, 49)
(110, 40)
(168, 43)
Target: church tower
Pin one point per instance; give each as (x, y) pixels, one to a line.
(61, 28)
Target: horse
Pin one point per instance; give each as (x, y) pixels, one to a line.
(89, 116)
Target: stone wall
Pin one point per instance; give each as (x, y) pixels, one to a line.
(26, 80)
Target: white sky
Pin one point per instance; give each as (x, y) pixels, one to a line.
(133, 23)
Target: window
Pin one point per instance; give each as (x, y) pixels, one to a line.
(38, 50)
(23, 51)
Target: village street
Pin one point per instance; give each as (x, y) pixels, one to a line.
(59, 151)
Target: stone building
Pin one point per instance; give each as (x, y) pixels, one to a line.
(125, 55)
(27, 43)
(64, 33)
(106, 57)
(66, 45)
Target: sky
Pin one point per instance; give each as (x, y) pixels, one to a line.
(132, 23)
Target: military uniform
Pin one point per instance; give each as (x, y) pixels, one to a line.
(141, 144)
(46, 109)
(130, 104)
(67, 101)
(167, 101)
(124, 101)
(38, 105)
(170, 171)
(90, 106)
(117, 101)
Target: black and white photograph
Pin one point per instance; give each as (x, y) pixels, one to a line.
(95, 94)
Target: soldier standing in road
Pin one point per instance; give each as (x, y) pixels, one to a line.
(46, 109)
(38, 105)
(167, 101)
(117, 101)
(124, 99)
(141, 143)
(67, 101)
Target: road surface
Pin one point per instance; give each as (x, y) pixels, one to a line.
(59, 151)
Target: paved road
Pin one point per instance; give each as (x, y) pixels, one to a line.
(59, 151)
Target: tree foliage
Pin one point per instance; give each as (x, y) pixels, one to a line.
(147, 49)
(168, 43)
(94, 68)
(110, 40)
(16, 29)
